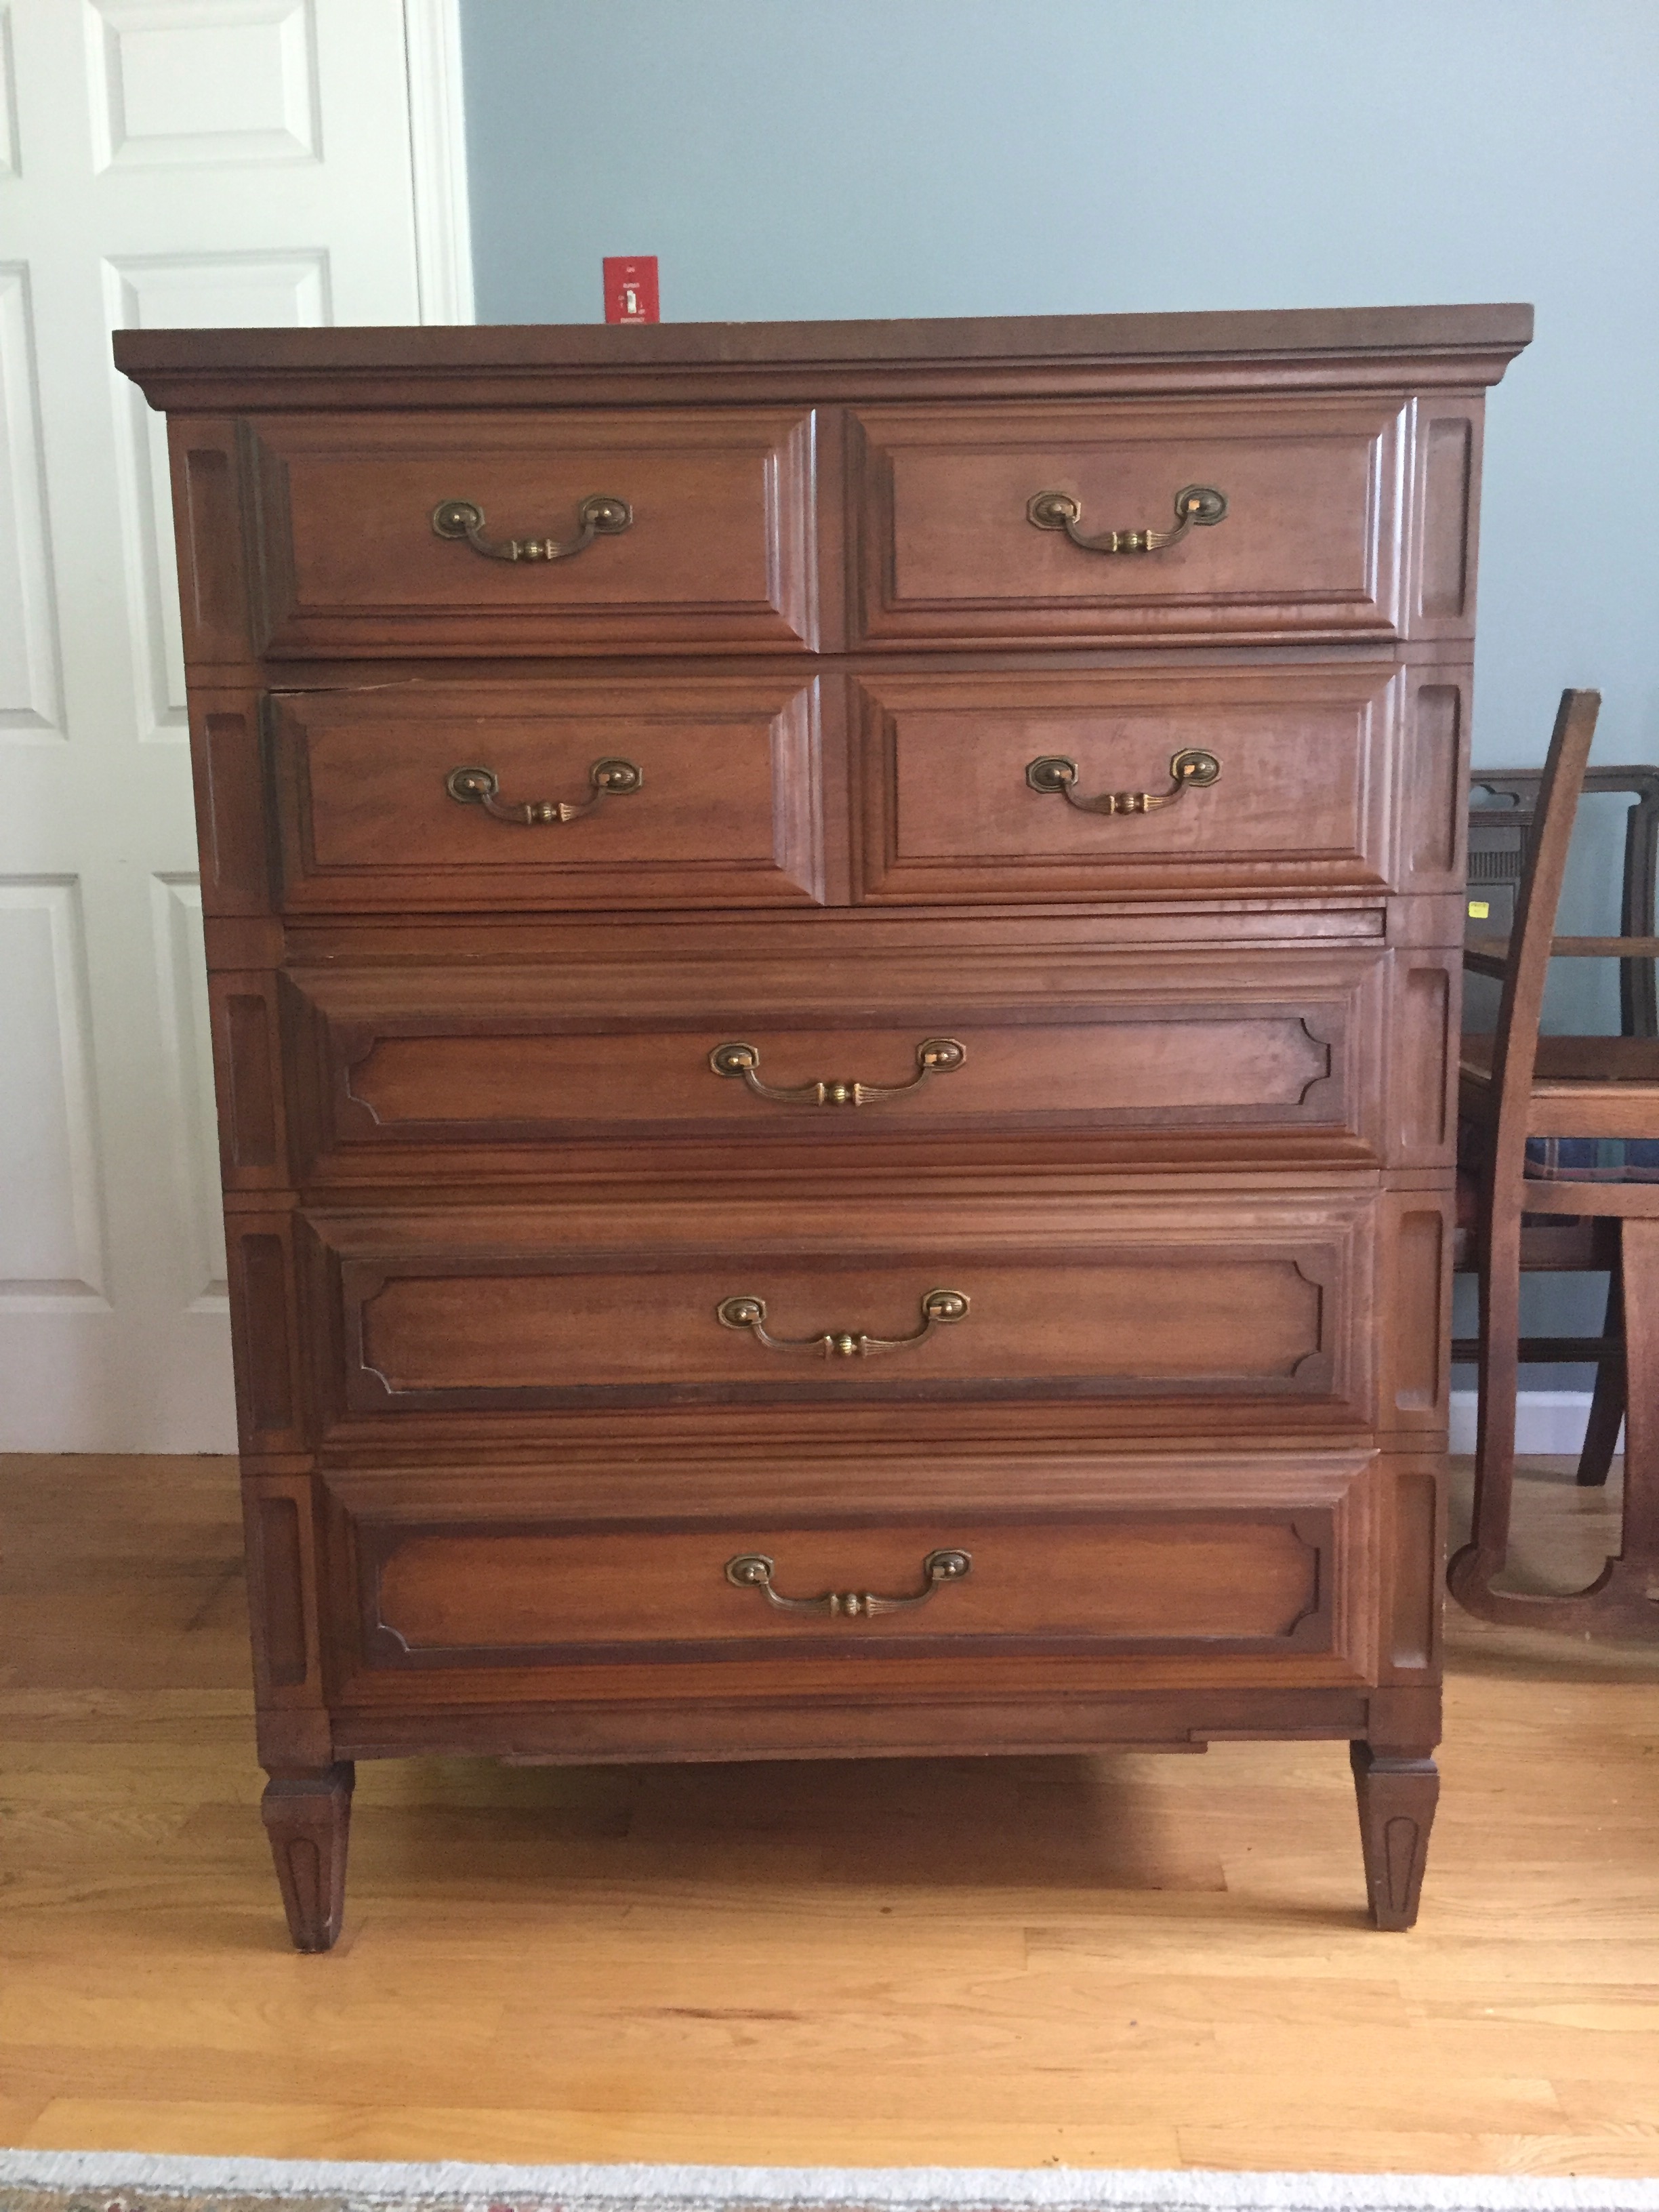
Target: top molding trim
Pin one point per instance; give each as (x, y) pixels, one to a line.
(511, 365)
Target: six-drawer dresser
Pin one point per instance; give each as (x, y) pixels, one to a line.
(833, 949)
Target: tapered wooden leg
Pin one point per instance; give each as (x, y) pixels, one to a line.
(1397, 1792)
(308, 1815)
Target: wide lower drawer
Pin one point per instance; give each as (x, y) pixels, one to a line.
(1214, 1299)
(564, 794)
(644, 530)
(1269, 520)
(1263, 1054)
(443, 1570)
(1094, 784)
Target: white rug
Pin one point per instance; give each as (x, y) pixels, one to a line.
(100, 2181)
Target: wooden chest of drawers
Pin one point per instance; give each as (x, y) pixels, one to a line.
(833, 954)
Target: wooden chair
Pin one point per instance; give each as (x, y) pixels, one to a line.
(1501, 829)
(1516, 1087)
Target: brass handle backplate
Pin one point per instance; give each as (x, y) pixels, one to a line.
(754, 1570)
(938, 1308)
(1196, 505)
(478, 787)
(604, 515)
(1053, 773)
(934, 1056)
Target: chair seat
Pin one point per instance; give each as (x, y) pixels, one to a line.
(1575, 1059)
(1582, 1087)
(1592, 1159)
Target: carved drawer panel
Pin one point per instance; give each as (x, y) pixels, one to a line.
(565, 795)
(737, 1302)
(1235, 1055)
(1157, 783)
(1282, 521)
(1200, 1558)
(646, 531)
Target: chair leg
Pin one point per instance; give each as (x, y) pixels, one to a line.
(1635, 1575)
(1624, 1599)
(1606, 1412)
(1472, 1571)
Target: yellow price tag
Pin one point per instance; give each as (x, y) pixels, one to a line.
(1480, 910)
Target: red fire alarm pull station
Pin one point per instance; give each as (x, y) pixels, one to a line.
(630, 289)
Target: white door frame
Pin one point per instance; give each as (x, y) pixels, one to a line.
(437, 148)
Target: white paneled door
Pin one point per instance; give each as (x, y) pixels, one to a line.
(162, 162)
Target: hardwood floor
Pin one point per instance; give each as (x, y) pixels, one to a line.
(1137, 1960)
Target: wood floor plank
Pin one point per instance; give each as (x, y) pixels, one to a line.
(1129, 1960)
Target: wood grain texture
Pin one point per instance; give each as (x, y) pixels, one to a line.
(1309, 545)
(1108, 1960)
(518, 1071)
(1252, 1307)
(720, 551)
(729, 811)
(947, 816)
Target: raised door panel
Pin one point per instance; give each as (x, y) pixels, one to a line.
(952, 546)
(802, 1062)
(1065, 786)
(562, 796)
(704, 540)
(740, 1303)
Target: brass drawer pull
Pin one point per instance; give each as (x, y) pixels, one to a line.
(1196, 505)
(602, 516)
(1053, 773)
(934, 1056)
(937, 1308)
(478, 786)
(754, 1570)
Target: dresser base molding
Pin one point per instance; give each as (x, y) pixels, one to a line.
(580, 1734)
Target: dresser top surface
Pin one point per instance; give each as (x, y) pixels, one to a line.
(193, 367)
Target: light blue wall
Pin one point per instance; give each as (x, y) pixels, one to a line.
(790, 158)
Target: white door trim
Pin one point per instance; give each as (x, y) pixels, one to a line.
(437, 148)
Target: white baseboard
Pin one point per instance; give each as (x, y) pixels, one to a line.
(1546, 1421)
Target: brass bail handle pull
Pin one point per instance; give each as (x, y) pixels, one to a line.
(938, 1308)
(754, 1570)
(604, 515)
(1054, 774)
(934, 1056)
(1196, 507)
(480, 786)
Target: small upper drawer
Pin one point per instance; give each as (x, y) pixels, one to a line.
(562, 794)
(704, 539)
(1044, 784)
(1283, 520)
